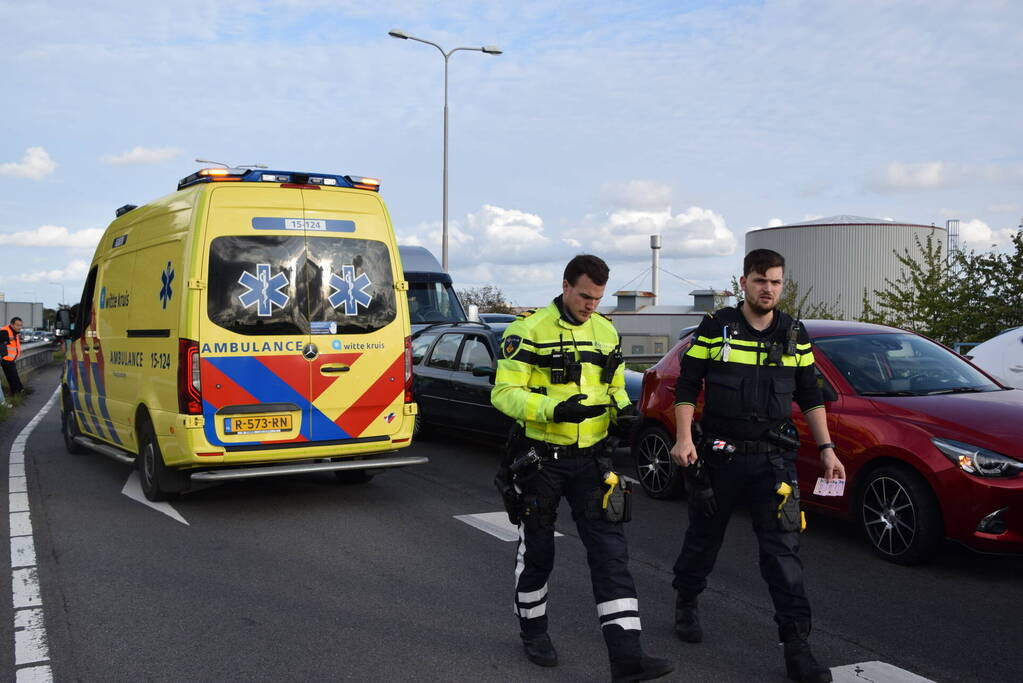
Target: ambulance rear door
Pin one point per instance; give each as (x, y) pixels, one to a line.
(358, 374)
(254, 327)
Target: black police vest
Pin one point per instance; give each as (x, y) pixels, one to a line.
(750, 383)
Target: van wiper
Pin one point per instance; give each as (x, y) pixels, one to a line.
(889, 393)
(955, 390)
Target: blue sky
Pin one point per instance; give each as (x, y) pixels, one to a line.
(602, 123)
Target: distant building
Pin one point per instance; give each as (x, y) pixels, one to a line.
(649, 330)
(31, 313)
(841, 256)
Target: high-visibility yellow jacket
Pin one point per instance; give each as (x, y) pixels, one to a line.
(12, 349)
(523, 388)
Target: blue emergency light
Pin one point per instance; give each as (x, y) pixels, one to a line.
(286, 178)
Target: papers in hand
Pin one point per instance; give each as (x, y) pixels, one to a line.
(835, 487)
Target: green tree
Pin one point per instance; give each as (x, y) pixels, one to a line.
(489, 299)
(796, 304)
(964, 296)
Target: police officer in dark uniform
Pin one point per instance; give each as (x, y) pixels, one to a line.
(562, 380)
(752, 360)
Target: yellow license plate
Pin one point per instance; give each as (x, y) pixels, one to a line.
(257, 424)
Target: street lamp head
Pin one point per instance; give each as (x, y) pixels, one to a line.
(492, 50)
(395, 33)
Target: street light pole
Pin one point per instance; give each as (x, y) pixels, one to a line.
(487, 49)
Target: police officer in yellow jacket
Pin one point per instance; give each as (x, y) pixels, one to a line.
(562, 380)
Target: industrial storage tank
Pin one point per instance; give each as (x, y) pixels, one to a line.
(841, 256)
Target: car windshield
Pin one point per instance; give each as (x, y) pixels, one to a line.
(901, 364)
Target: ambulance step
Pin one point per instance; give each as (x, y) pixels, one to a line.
(297, 468)
(102, 448)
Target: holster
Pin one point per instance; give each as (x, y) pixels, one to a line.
(504, 480)
(614, 505)
(789, 516)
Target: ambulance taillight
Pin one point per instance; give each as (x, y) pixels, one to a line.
(189, 386)
(408, 369)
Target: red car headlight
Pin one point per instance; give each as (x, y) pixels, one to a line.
(978, 461)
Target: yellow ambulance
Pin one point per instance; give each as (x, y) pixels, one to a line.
(253, 323)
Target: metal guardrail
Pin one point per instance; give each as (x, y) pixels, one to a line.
(35, 355)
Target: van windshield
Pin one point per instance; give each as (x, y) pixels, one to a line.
(433, 302)
(287, 284)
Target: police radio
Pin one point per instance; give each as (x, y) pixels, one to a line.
(611, 363)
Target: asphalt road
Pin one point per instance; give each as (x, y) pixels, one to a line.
(306, 579)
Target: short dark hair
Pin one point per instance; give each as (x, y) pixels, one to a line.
(16, 319)
(762, 260)
(589, 265)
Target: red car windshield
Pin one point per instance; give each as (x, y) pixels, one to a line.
(901, 364)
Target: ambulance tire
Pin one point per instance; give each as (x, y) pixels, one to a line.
(158, 481)
(69, 425)
(420, 430)
(354, 476)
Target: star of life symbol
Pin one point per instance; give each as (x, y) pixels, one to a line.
(351, 290)
(166, 278)
(263, 291)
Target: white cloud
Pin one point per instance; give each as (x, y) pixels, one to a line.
(138, 156)
(775, 222)
(898, 176)
(75, 270)
(979, 235)
(53, 236)
(637, 194)
(625, 234)
(490, 235)
(36, 164)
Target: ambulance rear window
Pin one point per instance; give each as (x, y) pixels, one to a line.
(288, 284)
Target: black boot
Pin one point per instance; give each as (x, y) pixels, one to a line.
(800, 664)
(687, 620)
(642, 668)
(539, 649)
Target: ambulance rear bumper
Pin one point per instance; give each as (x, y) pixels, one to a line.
(249, 472)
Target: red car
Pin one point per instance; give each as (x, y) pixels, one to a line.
(932, 446)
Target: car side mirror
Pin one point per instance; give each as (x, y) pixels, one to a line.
(827, 391)
(485, 371)
(62, 323)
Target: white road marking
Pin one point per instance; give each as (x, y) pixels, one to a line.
(874, 672)
(133, 489)
(30, 642)
(494, 523)
(35, 674)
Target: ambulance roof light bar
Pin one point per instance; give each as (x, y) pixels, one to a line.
(290, 178)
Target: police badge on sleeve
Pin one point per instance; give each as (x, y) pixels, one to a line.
(511, 345)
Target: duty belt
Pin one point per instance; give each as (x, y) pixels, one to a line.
(553, 451)
(748, 447)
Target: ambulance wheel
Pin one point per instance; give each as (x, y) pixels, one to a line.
(420, 430)
(658, 474)
(354, 476)
(69, 426)
(159, 482)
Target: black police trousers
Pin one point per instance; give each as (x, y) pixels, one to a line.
(11, 372)
(579, 480)
(751, 478)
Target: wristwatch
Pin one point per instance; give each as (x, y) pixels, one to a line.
(824, 446)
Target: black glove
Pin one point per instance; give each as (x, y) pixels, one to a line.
(699, 489)
(571, 410)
